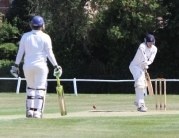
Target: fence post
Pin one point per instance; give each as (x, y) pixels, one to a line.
(74, 86)
(18, 85)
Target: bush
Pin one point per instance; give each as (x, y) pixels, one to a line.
(9, 33)
(8, 51)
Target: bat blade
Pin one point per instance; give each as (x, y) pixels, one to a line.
(149, 83)
(61, 100)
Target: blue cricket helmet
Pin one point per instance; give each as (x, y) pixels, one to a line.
(150, 38)
(37, 21)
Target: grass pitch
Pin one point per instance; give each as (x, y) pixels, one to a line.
(114, 117)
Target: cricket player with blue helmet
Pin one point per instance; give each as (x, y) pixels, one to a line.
(36, 46)
(144, 57)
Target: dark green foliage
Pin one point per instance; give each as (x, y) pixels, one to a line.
(167, 42)
(102, 47)
(23, 10)
(118, 32)
(8, 51)
(9, 33)
(65, 21)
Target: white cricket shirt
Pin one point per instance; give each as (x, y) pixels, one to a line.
(37, 46)
(144, 54)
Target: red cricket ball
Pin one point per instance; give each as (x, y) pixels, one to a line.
(94, 106)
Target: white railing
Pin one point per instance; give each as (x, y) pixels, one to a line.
(19, 79)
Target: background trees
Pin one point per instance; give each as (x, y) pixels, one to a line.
(98, 38)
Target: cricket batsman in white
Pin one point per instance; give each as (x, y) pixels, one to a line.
(35, 46)
(144, 57)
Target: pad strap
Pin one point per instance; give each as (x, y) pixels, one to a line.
(36, 89)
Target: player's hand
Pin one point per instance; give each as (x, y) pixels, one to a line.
(144, 65)
(15, 70)
(57, 71)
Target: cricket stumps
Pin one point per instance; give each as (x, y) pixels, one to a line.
(160, 92)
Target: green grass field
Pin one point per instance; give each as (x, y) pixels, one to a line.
(114, 117)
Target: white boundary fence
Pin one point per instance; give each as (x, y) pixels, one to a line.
(75, 82)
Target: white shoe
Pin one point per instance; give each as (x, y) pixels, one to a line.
(142, 109)
(37, 114)
(29, 113)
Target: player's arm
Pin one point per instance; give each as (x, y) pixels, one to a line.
(142, 52)
(15, 68)
(49, 51)
(152, 57)
(48, 47)
(20, 52)
(143, 63)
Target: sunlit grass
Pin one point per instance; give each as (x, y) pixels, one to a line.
(107, 121)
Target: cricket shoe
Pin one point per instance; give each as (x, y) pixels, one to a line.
(37, 114)
(142, 109)
(29, 114)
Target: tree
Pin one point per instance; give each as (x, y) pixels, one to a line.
(23, 10)
(65, 21)
(9, 33)
(168, 42)
(99, 41)
(118, 32)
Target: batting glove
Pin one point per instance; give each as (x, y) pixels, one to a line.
(15, 70)
(144, 65)
(57, 71)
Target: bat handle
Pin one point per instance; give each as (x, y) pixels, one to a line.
(146, 71)
(58, 81)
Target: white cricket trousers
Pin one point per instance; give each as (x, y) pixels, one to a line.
(140, 84)
(36, 78)
(36, 75)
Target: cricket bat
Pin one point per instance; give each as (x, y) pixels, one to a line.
(61, 99)
(149, 83)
